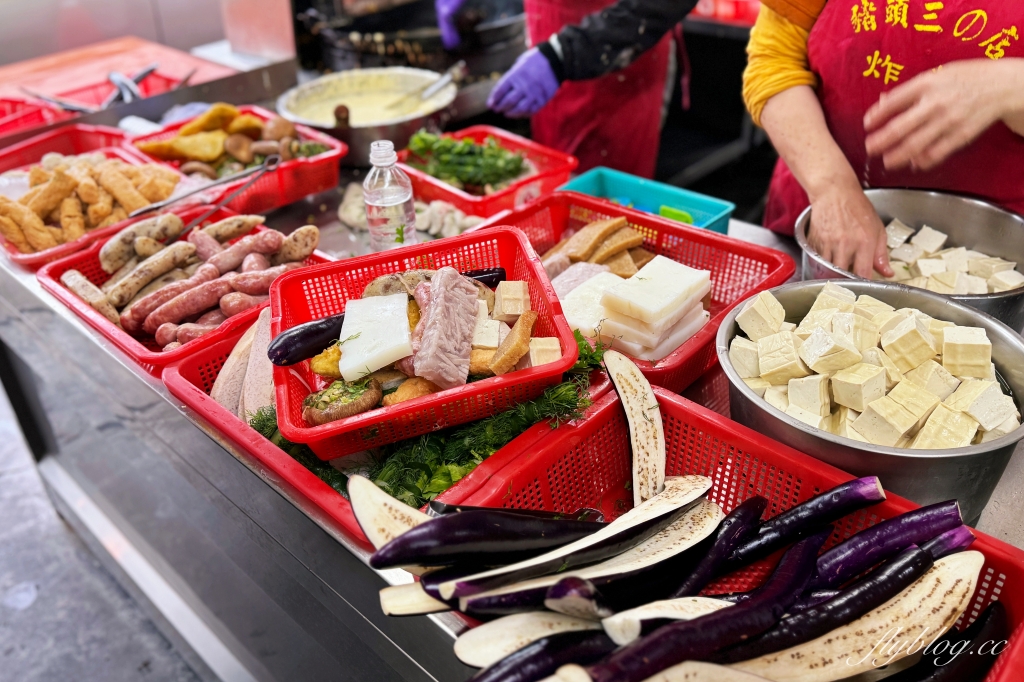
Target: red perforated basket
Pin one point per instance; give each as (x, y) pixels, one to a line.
(553, 169)
(95, 94)
(738, 269)
(191, 378)
(293, 179)
(20, 114)
(316, 293)
(143, 349)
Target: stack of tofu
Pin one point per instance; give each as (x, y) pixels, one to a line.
(647, 316)
(920, 260)
(858, 368)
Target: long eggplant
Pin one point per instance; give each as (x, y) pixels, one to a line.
(962, 656)
(634, 567)
(883, 540)
(627, 531)
(827, 507)
(735, 528)
(382, 517)
(437, 508)
(575, 596)
(695, 671)
(701, 638)
(956, 540)
(543, 657)
(488, 536)
(487, 644)
(630, 625)
(889, 633)
(305, 340)
(811, 599)
(866, 594)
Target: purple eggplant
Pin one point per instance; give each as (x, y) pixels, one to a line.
(950, 542)
(734, 529)
(490, 536)
(699, 639)
(827, 507)
(436, 509)
(883, 540)
(430, 581)
(811, 599)
(578, 597)
(541, 658)
(866, 594)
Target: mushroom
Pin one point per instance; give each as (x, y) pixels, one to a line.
(266, 148)
(289, 145)
(341, 115)
(240, 147)
(199, 167)
(341, 400)
(278, 127)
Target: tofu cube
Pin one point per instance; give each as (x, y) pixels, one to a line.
(915, 400)
(1007, 280)
(812, 419)
(824, 352)
(945, 429)
(909, 344)
(777, 397)
(896, 233)
(814, 320)
(834, 296)
(758, 385)
(900, 272)
(779, 360)
(937, 327)
(485, 335)
(852, 433)
(886, 321)
(916, 282)
(762, 316)
(842, 420)
(860, 330)
(511, 299)
(933, 377)
(884, 422)
(927, 267)
(1008, 426)
(481, 311)
(955, 259)
(966, 351)
(743, 356)
(811, 394)
(986, 267)
(543, 349)
(983, 401)
(878, 358)
(907, 253)
(869, 307)
(935, 286)
(956, 281)
(503, 331)
(975, 285)
(855, 387)
(788, 327)
(931, 241)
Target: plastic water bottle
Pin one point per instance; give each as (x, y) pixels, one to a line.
(387, 191)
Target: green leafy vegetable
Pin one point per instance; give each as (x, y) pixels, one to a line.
(264, 421)
(590, 357)
(464, 163)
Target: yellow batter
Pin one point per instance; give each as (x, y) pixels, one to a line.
(365, 108)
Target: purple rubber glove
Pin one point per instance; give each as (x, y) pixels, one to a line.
(446, 11)
(526, 88)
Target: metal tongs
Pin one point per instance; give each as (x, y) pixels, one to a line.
(455, 72)
(125, 89)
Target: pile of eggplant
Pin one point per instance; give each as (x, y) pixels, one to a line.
(570, 598)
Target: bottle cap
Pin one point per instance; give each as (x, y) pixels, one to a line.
(382, 153)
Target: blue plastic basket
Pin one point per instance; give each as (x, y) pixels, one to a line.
(649, 196)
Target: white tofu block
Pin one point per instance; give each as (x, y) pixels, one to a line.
(989, 376)
(377, 333)
(860, 330)
(930, 240)
(543, 349)
(909, 344)
(777, 397)
(907, 253)
(878, 358)
(659, 328)
(935, 286)
(956, 259)
(810, 418)
(485, 335)
(677, 336)
(511, 299)
(743, 356)
(758, 385)
(481, 311)
(986, 267)
(884, 422)
(824, 352)
(975, 285)
(887, 321)
(927, 267)
(869, 307)
(914, 312)
(945, 429)
(788, 327)
(957, 281)
(660, 288)
(937, 327)
(582, 306)
(834, 296)
(848, 431)
(974, 255)
(503, 331)
(779, 359)
(762, 316)
(1008, 426)
(966, 351)
(896, 233)
(916, 282)
(814, 320)
(1007, 280)
(903, 442)
(811, 394)
(982, 400)
(855, 387)
(933, 377)
(900, 272)
(915, 400)
(634, 331)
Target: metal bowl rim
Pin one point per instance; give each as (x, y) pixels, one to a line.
(800, 234)
(722, 348)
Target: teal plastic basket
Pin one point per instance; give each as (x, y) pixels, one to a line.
(649, 196)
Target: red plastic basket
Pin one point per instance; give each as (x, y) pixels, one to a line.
(143, 350)
(553, 169)
(738, 269)
(587, 464)
(313, 294)
(21, 114)
(72, 139)
(191, 379)
(292, 180)
(94, 95)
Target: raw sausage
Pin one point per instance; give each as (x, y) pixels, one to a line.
(206, 246)
(255, 261)
(171, 346)
(121, 247)
(229, 228)
(142, 309)
(237, 302)
(215, 316)
(258, 283)
(192, 302)
(230, 258)
(191, 331)
(145, 272)
(90, 293)
(298, 245)
(166, 333)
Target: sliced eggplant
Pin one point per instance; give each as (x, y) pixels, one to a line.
(409, 600)
(883, 540)
(575, 596)
(646, 432)
(698, 671)
(438, 508)
(827, 507)
(919, 613)
(627, 531)
(541, 658)
(630, 625)
(488, 536)
(487, 644)
(382, 517)
(955, 540)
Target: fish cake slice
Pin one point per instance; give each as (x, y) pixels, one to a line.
(621, 264)
(583, 244)
(641, 257)
(623, 240)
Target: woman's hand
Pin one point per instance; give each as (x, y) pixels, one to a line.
(924, 121)
(846, 231)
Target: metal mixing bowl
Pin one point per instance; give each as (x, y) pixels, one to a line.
(925, 476)
(396, 80)
(968, 222)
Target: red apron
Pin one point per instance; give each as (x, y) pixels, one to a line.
(610, 121)
(861, 48)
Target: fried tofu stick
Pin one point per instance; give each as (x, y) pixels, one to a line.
(72, 222)
(12, 233)
(31, 225)
(37, 175)
(116, 216)
(53, 192)
(101, 208)
(122, 189)
(88, 191)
